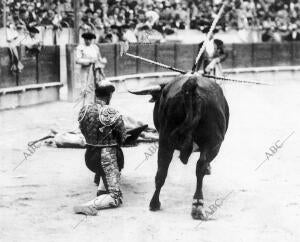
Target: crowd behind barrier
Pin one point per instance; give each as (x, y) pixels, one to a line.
(133, 20)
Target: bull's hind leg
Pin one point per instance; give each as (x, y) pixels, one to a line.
(201, 170)
(165, 155)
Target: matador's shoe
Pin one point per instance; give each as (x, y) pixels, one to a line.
(100, 202)
(86, 209)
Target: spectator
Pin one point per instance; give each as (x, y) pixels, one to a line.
(67, 6)
(267, 35)
(151, 15)
(31, 42)
(294, 35)
(97, 20)
(178, 23)
(86, 25)
(12, 39)
(161, 15)
(142, 34)
(129, 33)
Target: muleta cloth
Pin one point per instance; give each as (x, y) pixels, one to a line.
(88, 35)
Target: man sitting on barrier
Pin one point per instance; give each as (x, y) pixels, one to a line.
(104, 131)
(32, 43)
(213, 55)
(32, 46)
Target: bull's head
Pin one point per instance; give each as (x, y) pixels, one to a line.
(154, 91)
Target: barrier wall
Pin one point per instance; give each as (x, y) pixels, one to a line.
(182, 56)
(42, 68)
(38, 82)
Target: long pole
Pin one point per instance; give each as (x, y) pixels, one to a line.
(185, 72)
(156, 63)
(124, 49)
(234, 80)
(213, 26)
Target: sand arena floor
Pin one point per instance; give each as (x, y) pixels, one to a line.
(36, 199)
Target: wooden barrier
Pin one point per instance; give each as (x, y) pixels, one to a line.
(242, 55)
(41, 68)
(109, 51)
(48, 65)
(183, 55)
(147, 51)
(29, 74)
(295, 53)
(229, 62)
(126, 65)
(282, 54)
(262, 55)
(6, 77)
(38, 82)
(165, 53)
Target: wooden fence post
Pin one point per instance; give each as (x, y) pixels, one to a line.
(70, 71)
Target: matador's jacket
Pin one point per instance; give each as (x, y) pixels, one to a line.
(104, 132)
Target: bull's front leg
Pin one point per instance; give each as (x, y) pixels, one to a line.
(165, 155)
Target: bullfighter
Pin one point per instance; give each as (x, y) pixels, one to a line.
(104, 131)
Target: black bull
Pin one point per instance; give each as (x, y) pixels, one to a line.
(189, 110)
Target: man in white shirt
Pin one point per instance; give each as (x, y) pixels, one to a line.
(152, 17)
(89, 57)
(294, 35)
(12, 40)
(129, 33)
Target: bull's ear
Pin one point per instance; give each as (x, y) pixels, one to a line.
(156, 93)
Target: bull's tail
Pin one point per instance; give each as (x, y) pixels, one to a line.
(184, 132)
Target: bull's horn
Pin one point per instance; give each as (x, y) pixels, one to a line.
(146, 90)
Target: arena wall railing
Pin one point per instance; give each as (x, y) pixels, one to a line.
(255, 57)
(38, 82)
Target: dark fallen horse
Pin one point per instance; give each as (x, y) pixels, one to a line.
(190, 110)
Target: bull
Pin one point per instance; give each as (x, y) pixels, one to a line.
(190, 111)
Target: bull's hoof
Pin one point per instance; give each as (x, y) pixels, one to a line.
(198, 213)
(154, 206)
(198, 210)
